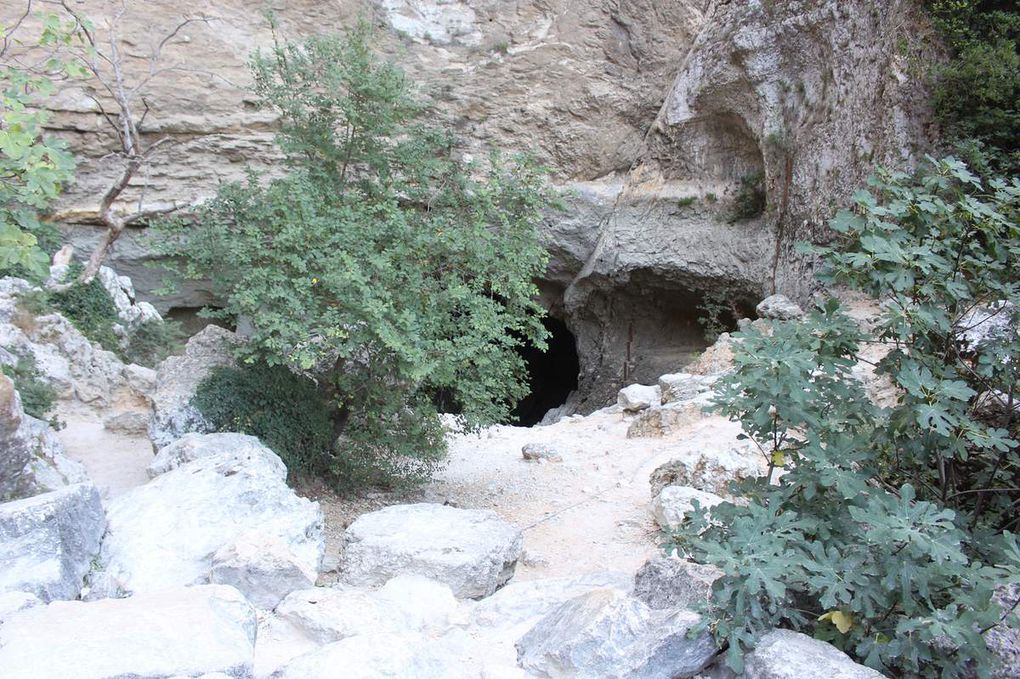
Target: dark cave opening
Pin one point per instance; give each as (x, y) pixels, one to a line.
(552, 374)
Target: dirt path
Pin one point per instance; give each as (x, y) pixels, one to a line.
(115, 462)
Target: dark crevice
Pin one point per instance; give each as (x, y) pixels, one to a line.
(552, 374)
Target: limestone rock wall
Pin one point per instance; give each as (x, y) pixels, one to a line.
(648, 112)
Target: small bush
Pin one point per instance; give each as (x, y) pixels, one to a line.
(89, 308)
(37, 396)
(750, 200)
(686, 201)
(151, 342)
(285, 411)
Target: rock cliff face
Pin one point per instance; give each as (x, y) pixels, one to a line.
(649, 113)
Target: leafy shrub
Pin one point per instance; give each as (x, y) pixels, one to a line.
(90, 309)
(285, 411)
(380, 262)
(37, 396)
(750, 201)
(976, 93)
(716, 314)
(886, 534)
(150, 342)
(686, 201)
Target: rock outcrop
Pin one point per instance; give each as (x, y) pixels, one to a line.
(178, 632)
(48, 542)
(166, 532)
(472, 551)
(783, 654)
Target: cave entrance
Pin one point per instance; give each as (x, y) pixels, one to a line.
(552, 374)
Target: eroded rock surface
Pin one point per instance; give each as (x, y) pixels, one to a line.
(783, 654)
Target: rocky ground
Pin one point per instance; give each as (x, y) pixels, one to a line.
(533, 554)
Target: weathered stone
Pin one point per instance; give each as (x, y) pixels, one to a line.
(48, 542)
(263, 569)
(783, 654)
(132, 423)
(13, 602)
(194, 446)
(987, 324)
(163, 534)
(666, 420)
(1003, 640)
(710, 471)
(684, 387)
(638, 397)
(673, 503)
(185, 631)
(378, 655)
(178, 377)
(472, 551)
(541, 451)
(607, 633)
(671, 583)
(405, 603)
(779, 308)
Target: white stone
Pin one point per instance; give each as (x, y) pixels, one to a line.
(639, 397)
(405, 603)
(264, 569)
(48, 542)
(683, 387)
(608, 633)
(378, 655)
(671, 506)
(186, 631)
(783, 654)
(472, 551)
(710, 470)
(778, 308)
(165, 533)
(12, 603)
(194, 446)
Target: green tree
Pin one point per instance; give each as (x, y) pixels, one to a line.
(888, 529)
(380, 263)
(33, 167)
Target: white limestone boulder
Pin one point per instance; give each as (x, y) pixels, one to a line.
(472, 551)
(264, 569)
(784, 654)
(672, 583)
(178, 377)
(608, 633)
(184, 631)
(379, 655)
(407, 603)
(710, 470)
(194, 446)
(638, 397)
(673, 503)
(165, 533)
(778, 308)
(48, 542)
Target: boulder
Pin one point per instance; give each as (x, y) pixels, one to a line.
(608, 633)
(778, 308)
(122, 292)
(659, 422)
(48, 542)
(671, 506)
(783, 654)
(183, 631)
(132, 423)
(541, 452)
(178, 377)
(671, 583)
(638, 397)
(711, 471)
(165, 533)
(472, 551)
(264, 569)
(379, 655)
(684, 387)
(191, 447)
(405, 603)
(32, 459)
(12, 603)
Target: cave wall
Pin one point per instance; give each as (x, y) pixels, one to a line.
(648, 113)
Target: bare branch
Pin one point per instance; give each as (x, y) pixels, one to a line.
(14, 28)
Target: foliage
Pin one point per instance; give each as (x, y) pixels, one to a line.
(89, 308)
(977, 92)
(886, 532)
(686, 201)
(150, 342)
(716, 314)
(284, 410)
(750, 201)
(380, 262)
(33, 167)
(37, 396)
